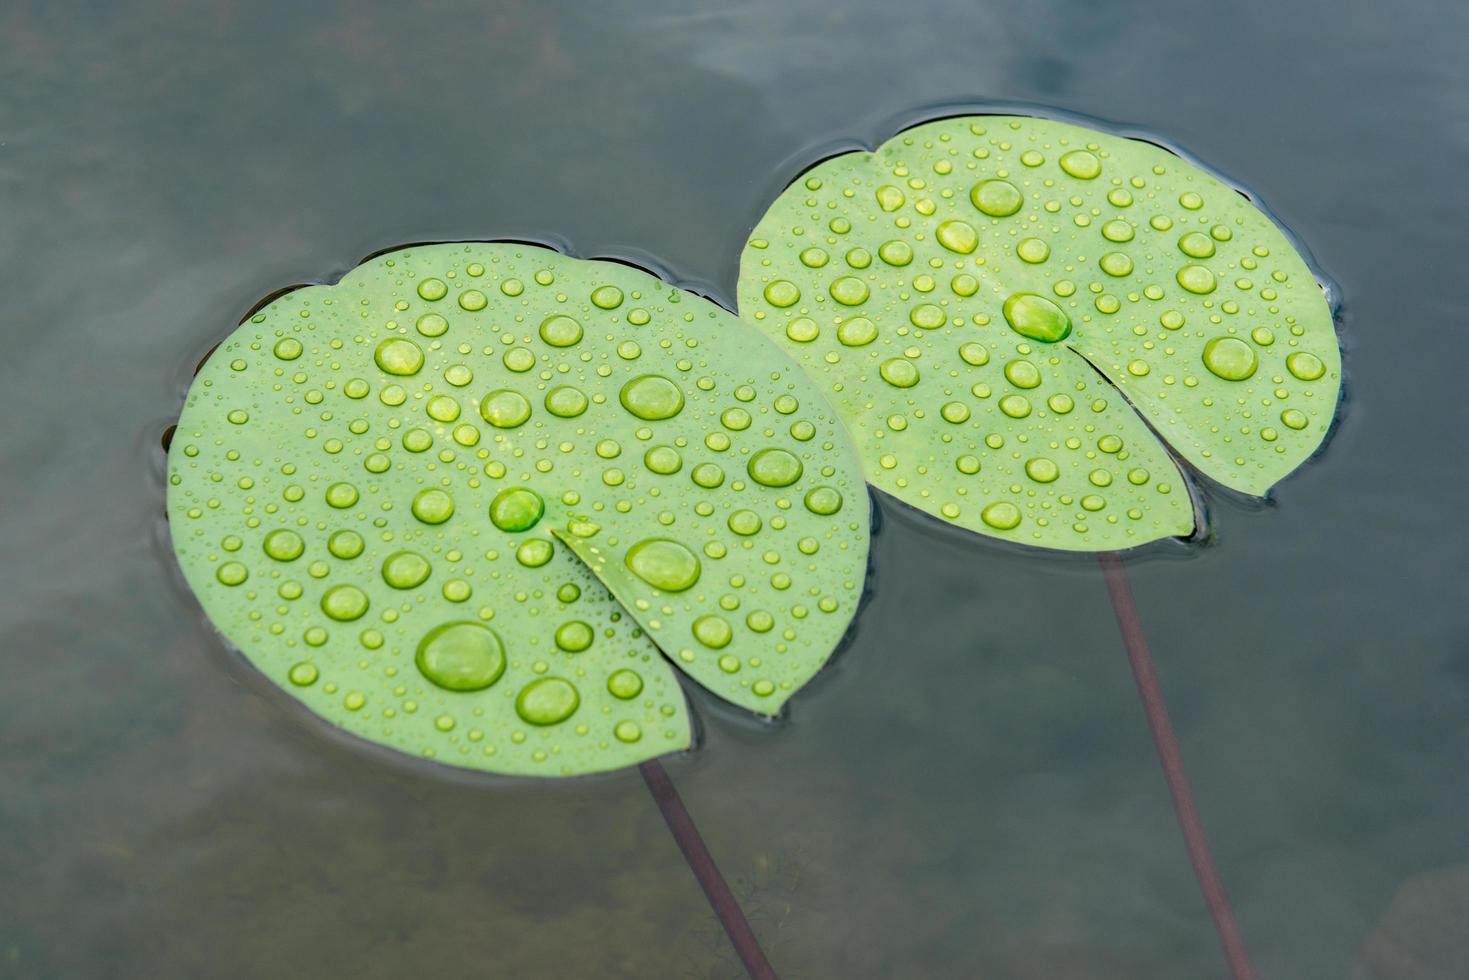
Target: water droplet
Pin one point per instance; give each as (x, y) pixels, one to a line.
(341, 495)
(547, 701)
(288, 348)
(663, 460)
(504, 408)
(1015, 406)
(1041, 470)
(232, 573)
(472, 300)
(889, 198)
(849, 291)
(1230, 358)
(664, 564)
(432, 289)
(627, 731)
(652, 397)
(1116, 264)
(534, 553)
(405, 570)
(1036, 318)
(1023, 374)
(744, 522)
(1306, 367)
(283, 545)
(708, 475)
(774, 468)
(1197, 279)
(899, 372)
(303, 674)
(1081, 164)
(560, 331)
(996, 198)
(803, 330)
(433, 506)
(345, 545)
(625, 684)
(1033, 250)
(607, 297)
(399, 357)
(782, 293)
(442, 408)
(1196, 245)
(896, 252)
(1001, 515)
(566, 402)
(1294, 418)
(431, 325)
(516, 509)
(461, 656)
(926, 316)
(857, 332)
(824, 501)
(713, 631)
(957, 236)
(344, 603)
(574, 636)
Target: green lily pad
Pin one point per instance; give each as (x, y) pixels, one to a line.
(1014, 315)
(379, 491)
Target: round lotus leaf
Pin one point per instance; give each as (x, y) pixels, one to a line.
(379, 491)
(1014, 315)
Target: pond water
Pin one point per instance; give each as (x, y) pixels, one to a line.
(970, 789)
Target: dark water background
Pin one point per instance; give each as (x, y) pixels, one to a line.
(970, 790)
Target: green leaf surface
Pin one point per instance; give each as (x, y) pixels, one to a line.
(379, 491)
(1010, 312)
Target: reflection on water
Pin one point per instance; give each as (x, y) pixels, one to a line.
(970, 788)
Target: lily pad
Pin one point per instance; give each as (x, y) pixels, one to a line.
(1014, 315)
(379, 491)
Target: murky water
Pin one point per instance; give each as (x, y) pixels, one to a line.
(970, 789)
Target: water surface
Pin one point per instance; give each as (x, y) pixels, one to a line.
(970, 789)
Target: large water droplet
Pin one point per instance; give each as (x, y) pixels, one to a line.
(664, 564)
(1037, 318)
(560, 331)
(1306, 367)
(398, 356)
(1230, 358)
(774, 468)
(1197, 279)
(505, 409)
(405, 569)
(284, 545)
(652, 397)
(463, 656)
(1081, 164)
(996, 198)
(957, 236)
(547, 701)
(433, 506)
(625, 684)
(344, 603)
(516, 509)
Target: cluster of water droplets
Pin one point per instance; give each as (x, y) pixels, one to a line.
(961, 288)
(391, 479)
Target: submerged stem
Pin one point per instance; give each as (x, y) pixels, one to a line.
(1172, 758)
(701, 863)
